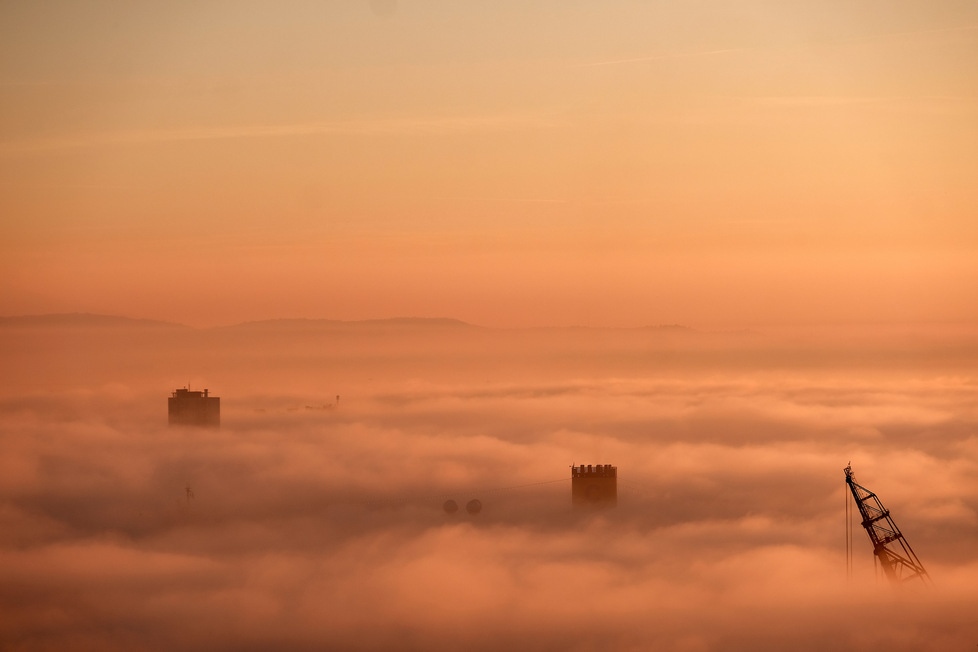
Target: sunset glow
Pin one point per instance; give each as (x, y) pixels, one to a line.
(509, 164)
(430, 251)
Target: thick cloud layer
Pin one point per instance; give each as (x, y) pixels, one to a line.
(304, 523)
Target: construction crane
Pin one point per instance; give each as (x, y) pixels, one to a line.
(899, 562)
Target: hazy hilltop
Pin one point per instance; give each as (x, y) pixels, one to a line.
(80, 320)
(303, 329)
(395, 323)
(71, 350)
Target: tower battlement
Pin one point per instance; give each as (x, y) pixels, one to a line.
(594, 485)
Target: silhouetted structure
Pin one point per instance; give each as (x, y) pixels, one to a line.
(187, 408)
(594, 485)
(899, 562)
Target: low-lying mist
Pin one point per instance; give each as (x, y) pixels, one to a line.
(313, 519)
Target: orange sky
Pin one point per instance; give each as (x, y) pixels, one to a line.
(506, 163)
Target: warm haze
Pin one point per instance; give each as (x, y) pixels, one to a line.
(317, 526)
(505, 163)
(791, 181)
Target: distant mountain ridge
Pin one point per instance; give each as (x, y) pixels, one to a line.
(93, 320)
(313, 324)
(669, 328)
(85, 320)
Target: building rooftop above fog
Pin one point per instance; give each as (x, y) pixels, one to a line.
(194, 408)
(595, 485)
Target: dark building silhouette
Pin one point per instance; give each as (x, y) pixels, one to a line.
(187, 408)
(594, 485)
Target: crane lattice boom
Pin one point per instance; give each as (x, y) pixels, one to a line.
(898, 560)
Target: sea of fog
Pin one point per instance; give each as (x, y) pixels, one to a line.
(312, 518)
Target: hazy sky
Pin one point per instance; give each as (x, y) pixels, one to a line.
(506, 163)
(716, 163)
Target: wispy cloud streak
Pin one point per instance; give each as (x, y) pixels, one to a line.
(918, 32)
(706, 53)
(663, 57)
(365, 127)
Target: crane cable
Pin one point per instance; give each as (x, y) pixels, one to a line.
(848, 537)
